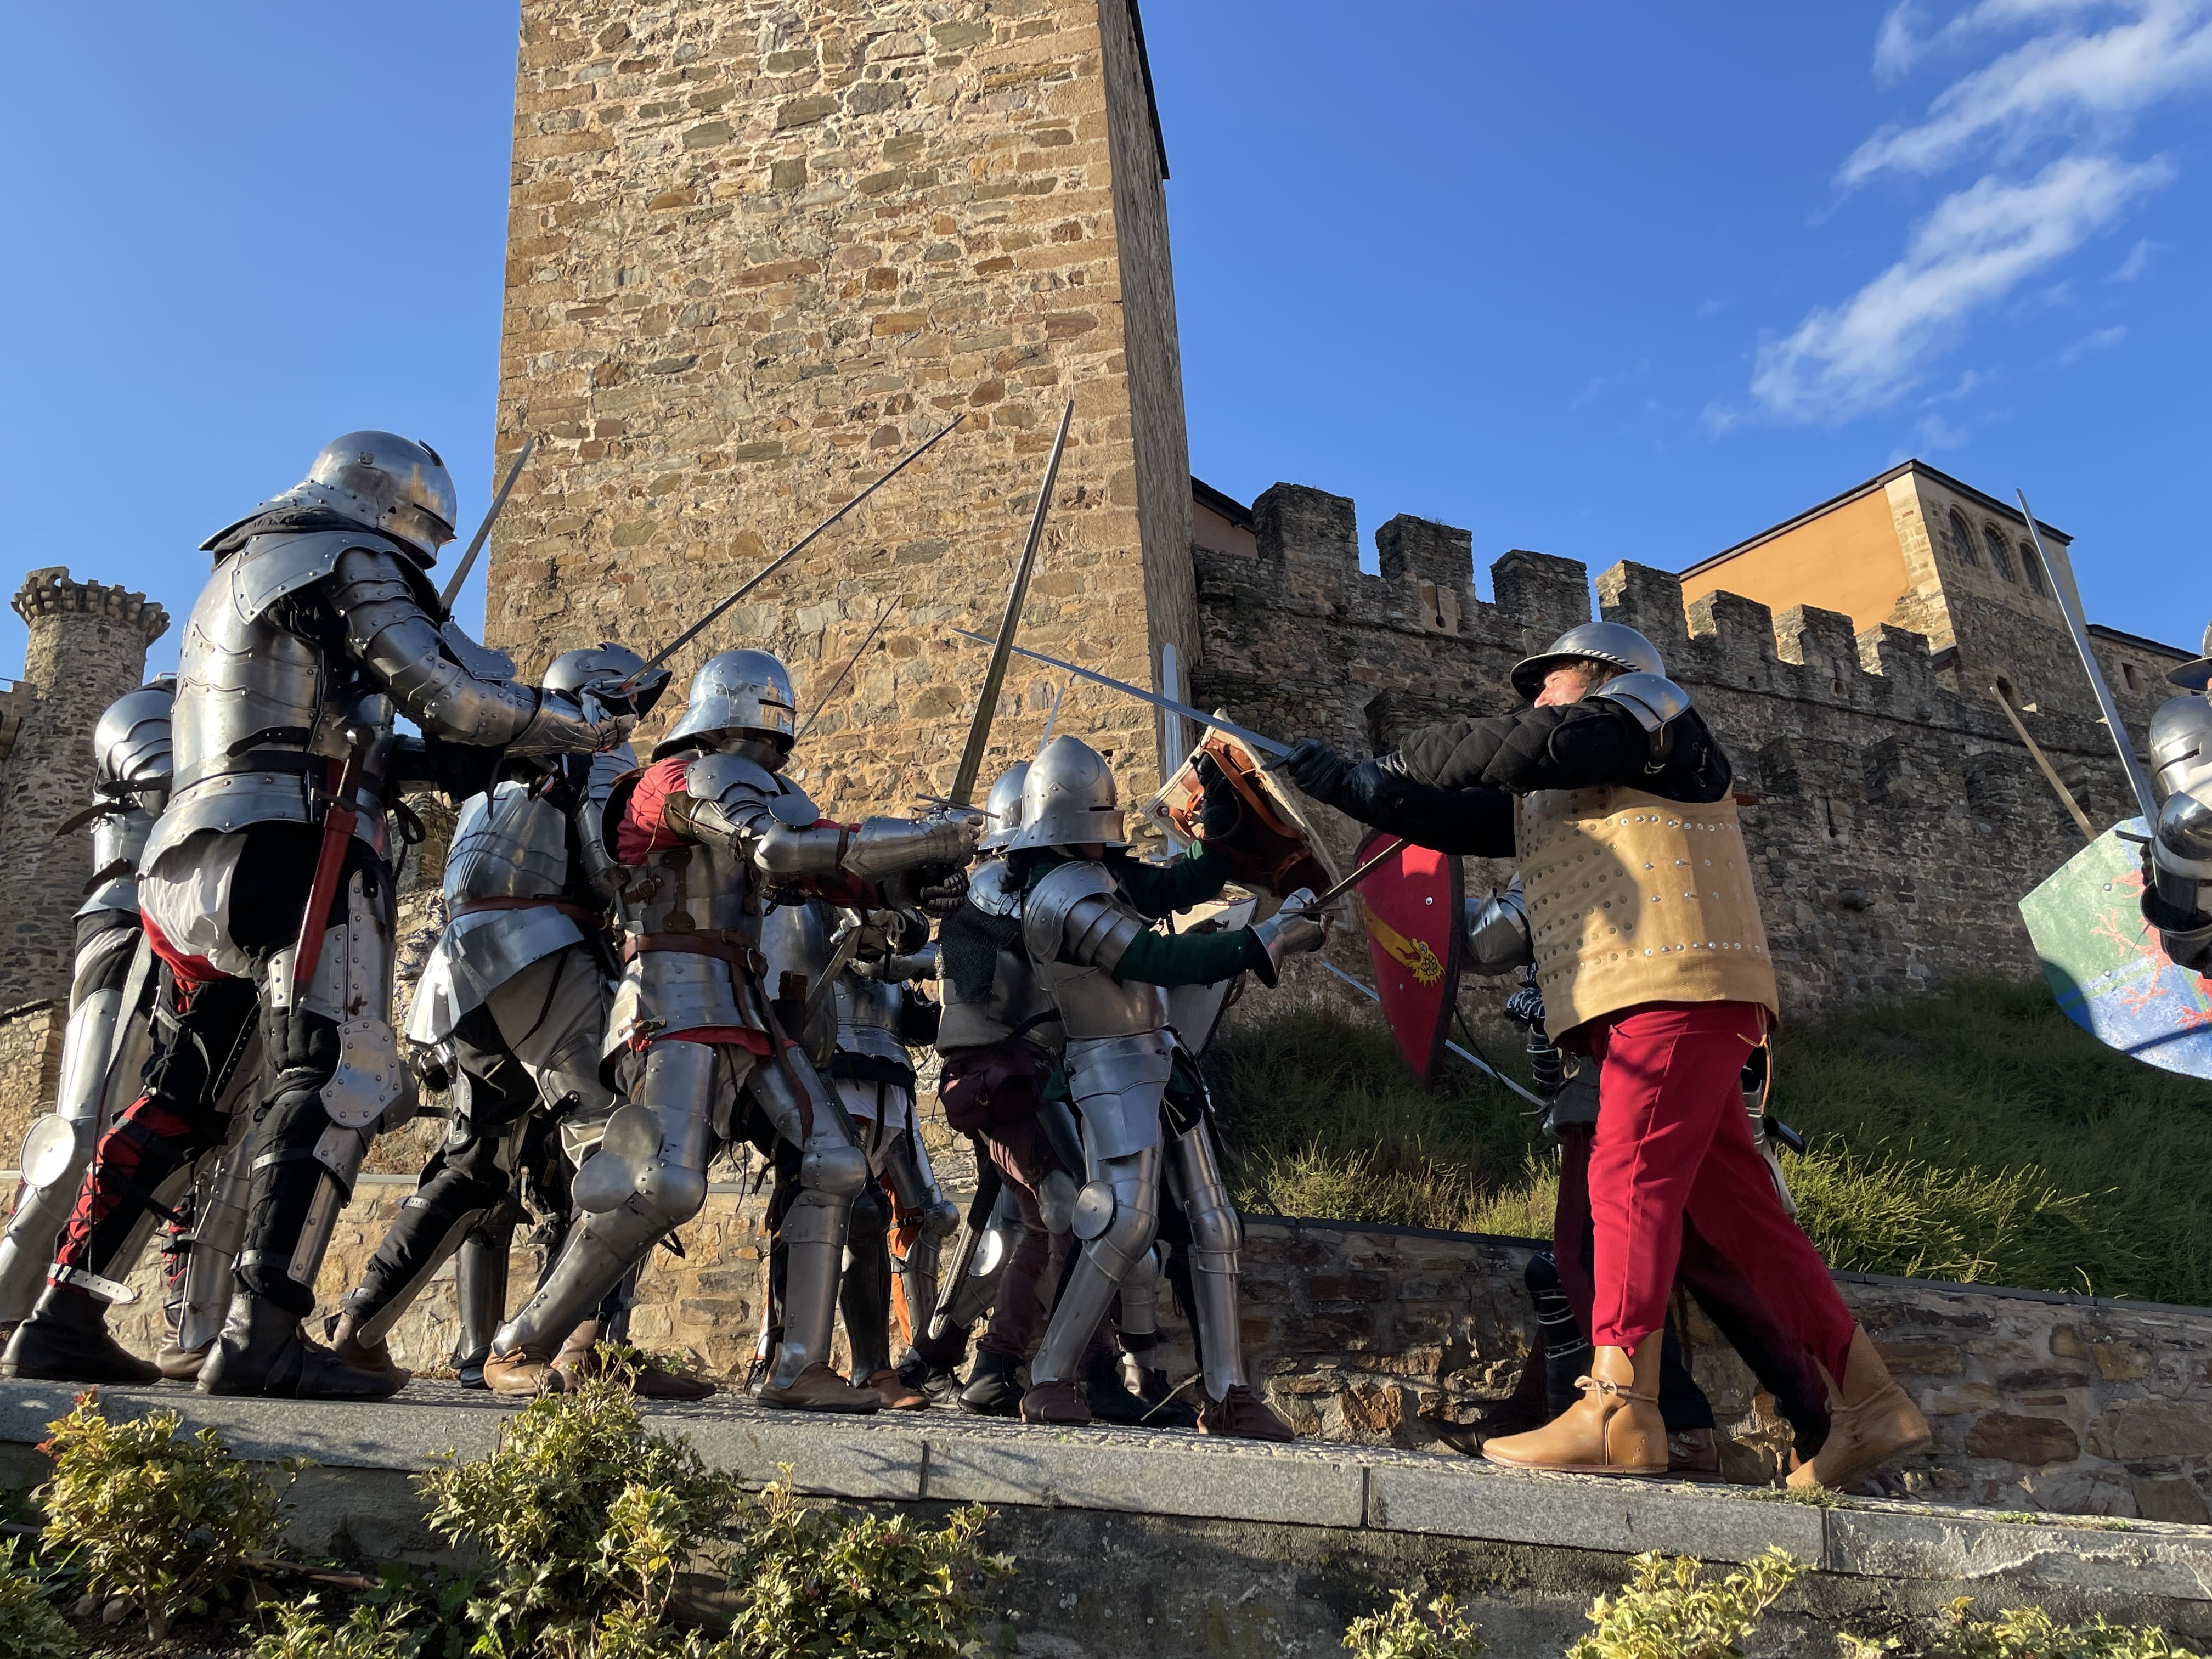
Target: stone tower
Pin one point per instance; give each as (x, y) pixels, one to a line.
(756, 251)
(88, 647)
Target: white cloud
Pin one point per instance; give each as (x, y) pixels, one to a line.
(1977, 246)
(2136, 263)
(2097, 340)
(2051, 83)
(1935, 433)
(1720, 419)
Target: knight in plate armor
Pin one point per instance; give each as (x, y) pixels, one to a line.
(1087, 910)
(508, 1014)
(699, 1051)
(2177, 863)
(106, 1039)
(1615, 800)
(267, 888)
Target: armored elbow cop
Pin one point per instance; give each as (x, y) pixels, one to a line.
(1498, 932)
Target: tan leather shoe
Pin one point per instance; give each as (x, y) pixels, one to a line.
(894, 1392)
(1063, 1402)
(819, 1388)
(346, 1344)
(637, 1370)
(522, 1374)
(1613, 1429)
(1871, 1422)
(1241, 1413)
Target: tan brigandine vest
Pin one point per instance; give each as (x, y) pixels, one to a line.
(1633, 899)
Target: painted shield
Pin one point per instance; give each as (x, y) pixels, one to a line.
(1410, 908)
(1275, 850)
(2103, 962)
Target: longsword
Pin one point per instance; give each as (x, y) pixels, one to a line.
(1266, 745)
(994, 677)
(476, 542)
(1479, 1065)
(788, 554)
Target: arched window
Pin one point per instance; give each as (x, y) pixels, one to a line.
(2000, 550)
(1962, 541)
(2030, 567)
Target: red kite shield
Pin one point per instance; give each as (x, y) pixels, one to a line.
(1411, 908)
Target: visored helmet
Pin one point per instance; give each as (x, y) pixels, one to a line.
(377, 478)
(1612, 642)
(572, 671)
(131, 742)
(1069, 799)
(1002, 808)
(735, 694)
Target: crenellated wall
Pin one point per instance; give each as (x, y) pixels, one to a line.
(1895, 824)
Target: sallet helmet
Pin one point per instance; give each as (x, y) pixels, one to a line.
(130, 744)
(572, 671)
(1069, 799)
(2181, 745)
(735, 694)
(1002, 808)
(380, 479)
(1614, 643)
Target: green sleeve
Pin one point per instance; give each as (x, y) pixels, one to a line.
(1155, 958)
(1155, 890)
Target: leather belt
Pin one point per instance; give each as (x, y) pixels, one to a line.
(267, 760)
(695, 944)
(589, 917)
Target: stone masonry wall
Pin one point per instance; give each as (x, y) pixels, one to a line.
(759, 249)
(1893, 824)
(88, 647)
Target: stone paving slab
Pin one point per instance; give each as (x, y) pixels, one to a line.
(940, 1455)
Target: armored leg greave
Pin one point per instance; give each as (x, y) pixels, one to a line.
(1114, 1219)
(865, 1295)
(647, 1177)
(218, 1225)
(926, 1218)
(103, 969)
(1216, 1236)
(1140, 1322)
(832, 1169)
(480, 1289)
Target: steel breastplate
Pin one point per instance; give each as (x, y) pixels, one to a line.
(509, 843)
(794, 941)
(1015, 996)
(1092, 1004)
(868, 1012)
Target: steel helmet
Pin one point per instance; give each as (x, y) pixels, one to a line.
(1612, 642)
(572, 671)
(735, 694)
(1069, 799)
(1002, 808)
(377, 478)
(131, 741)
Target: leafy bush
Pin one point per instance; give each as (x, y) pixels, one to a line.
(165, 1521)
(1667, 1611)
(814, 1581)
(585, 1515)
(302, 1633)
(1405, 1632)
(29, 1626)
(2027, 1633)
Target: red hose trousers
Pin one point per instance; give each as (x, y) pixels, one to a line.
(1672, 1140)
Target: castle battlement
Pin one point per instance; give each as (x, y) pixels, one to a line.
(48, 591)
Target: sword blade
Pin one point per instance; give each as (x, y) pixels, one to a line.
(1265, 745)
(1488, 1071)
(1362, 873)
(2069, 605)
(476, 542)
(994, 677)
(793, 552)
(851, 663)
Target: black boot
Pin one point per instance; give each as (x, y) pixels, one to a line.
(1112, 1401)
(66, 1340)
(262, 1351)
(1164, 1407)
(993, 1389)
(941, 1383)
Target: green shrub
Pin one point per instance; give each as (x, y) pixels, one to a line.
(1667, 1610)
(29, 1626)
(302, 1633)
(816, 1581)
(2027, 1634)
(584, 1514)
(1403, 1630)
(165, 1521)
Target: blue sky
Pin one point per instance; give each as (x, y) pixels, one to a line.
(1607, 281)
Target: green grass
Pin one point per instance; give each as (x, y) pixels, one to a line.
(1975, 1135)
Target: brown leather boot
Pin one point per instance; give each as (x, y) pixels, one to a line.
(1241, 1413)
(892, 1391)
(178, 1364)
(1871, 1422)
(523, 1373)
(819, 1388)
(1694, 1454)
(346, 1344)
(1613, 1429)
(636, 1369)
(1064, 1403)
